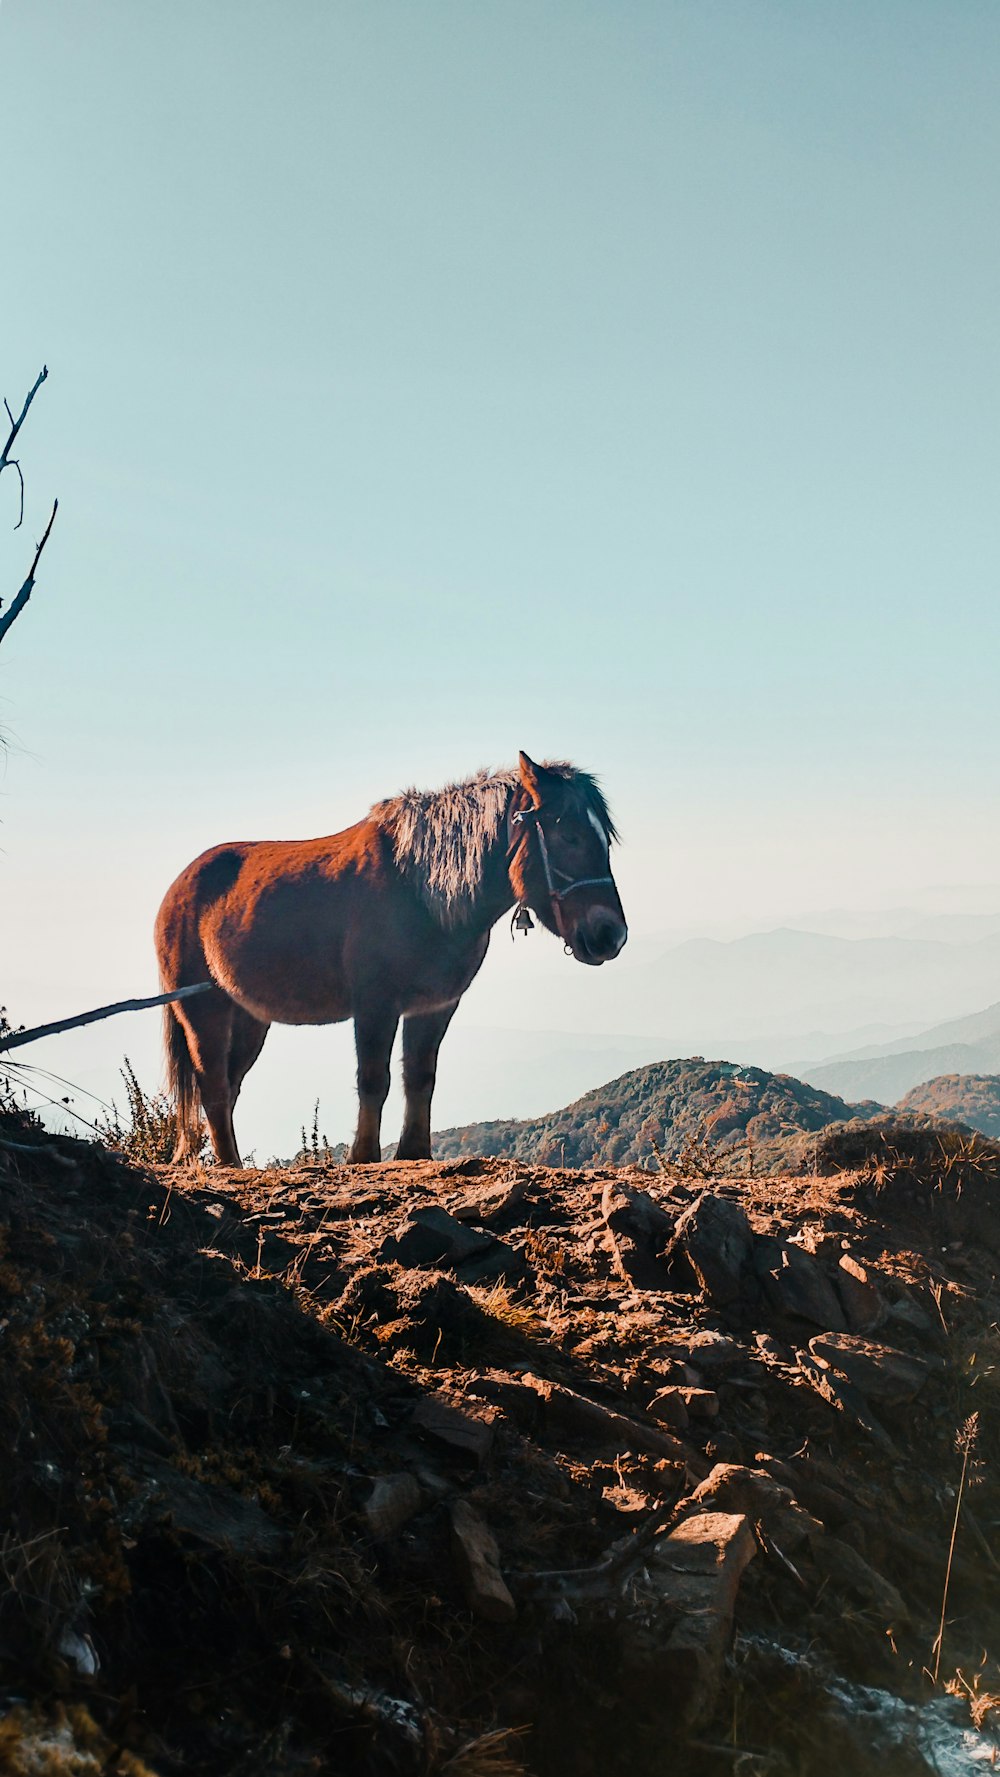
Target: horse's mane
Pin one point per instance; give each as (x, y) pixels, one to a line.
(441, 838)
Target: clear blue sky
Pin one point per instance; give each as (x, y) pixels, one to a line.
(618, 381)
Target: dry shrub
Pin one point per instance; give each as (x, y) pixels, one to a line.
(885, 1148)
(698, 1158)
(316, 1149)
(150, 1136)
(11, 1106)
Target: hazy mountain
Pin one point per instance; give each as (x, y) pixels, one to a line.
(763, 986)
(969, 1045)
(795, 1052)
(897, 922)
(975, 1027)
(891, 1076)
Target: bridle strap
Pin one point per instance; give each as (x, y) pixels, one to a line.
(556, 896)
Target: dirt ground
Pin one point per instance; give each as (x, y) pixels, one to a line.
(480, 1467)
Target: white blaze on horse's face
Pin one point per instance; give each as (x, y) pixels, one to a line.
(599, 830)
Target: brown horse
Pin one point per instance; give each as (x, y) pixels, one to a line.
(389, 919)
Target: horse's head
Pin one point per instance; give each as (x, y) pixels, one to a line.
(560, 864)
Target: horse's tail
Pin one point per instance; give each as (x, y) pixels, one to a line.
(181, 1085)
(183, 963)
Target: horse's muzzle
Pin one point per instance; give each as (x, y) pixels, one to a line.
(598, 938)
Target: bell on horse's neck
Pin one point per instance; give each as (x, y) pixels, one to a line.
(523, 921)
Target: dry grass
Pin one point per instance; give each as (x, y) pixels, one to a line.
(489, 1755)
(966, 1443)
(500, 1303)
(885, 1152)
(547, 1257)
(984, 1704)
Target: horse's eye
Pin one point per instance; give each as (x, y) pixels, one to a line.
(568, 834)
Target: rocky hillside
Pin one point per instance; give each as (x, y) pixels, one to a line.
(972, 1099)
(486, 1469)
(738, 1117)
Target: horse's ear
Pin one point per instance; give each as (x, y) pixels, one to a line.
(531, 777)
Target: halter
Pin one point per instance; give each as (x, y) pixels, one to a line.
(522, 916)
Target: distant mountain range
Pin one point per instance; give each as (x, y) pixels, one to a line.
(672, 1107)
(762, 988)
(887, 1071)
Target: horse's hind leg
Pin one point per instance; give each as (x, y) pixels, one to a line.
(245, 1044)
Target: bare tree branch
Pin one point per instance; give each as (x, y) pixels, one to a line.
(15, 1040)
(9, 462)
(16, 424)
(25, 592)
(14, 464)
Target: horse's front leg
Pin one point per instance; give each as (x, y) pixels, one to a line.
(422, 1035)
(374, 1035)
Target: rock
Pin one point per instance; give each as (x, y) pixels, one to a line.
(908, 1313)
(674, 1370)
(842, 1394)
(818, 1241)
(671, 1369)
(647, 1215)
(709, 1350)
(879, 1371)
(772, 1350)
(722, 1446)
(636, 1227)
(763, 1500)
(430, 1236)
(811, 1490)
(465, 1435)
(478, 1560)
(493, 1202)
(694, 1575)
(518, 1400)
(864, 1309)
(470, 1166)
(499, 1264)
(716, 1238)
(705, 1350)
(79, 1652)
(794, 1283)
(701, 1403)
(200, 1512)
(668, 1405)
(568, 1412)
(393, 1499)
(838, 1562)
